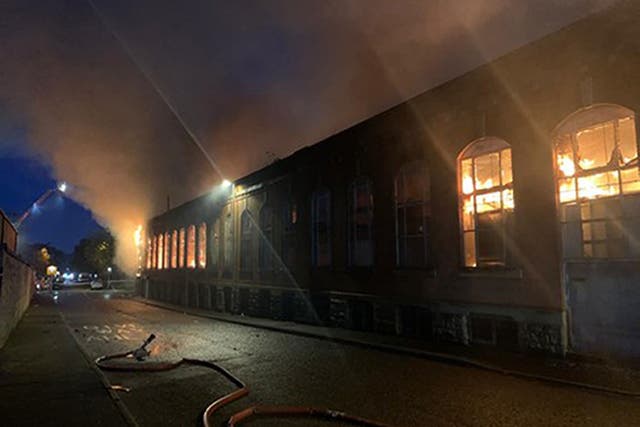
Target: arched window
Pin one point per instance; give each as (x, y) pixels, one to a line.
(246, 243)
(265, 248)
(215, 244)
(321, 228)
(289, 220)
(181, 247)
(360, 223)
(202, 245)
(191, 246)
(160, 252)
(167, 250)
(174, 249)
(228, 243)
(148, 258)
(154, 248)
(485, 202)
(413, 210)
(596, 153)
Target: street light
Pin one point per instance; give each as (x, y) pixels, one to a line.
(109, 270)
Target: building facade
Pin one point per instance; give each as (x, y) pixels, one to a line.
(500, 208)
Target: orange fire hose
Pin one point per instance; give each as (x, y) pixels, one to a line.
(269, 411)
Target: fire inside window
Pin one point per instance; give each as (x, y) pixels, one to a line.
(154, 247)
(202, 245)
(149, 254)
(167, 249)
(160, 252)
(174, 249)
(596, 166)
(486, 202)
(191, 246)
(181, 244)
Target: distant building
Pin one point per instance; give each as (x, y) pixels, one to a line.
(500, 208)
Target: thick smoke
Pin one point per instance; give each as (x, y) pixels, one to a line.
(93, 117)
(253, 79)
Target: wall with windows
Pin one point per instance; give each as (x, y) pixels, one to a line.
(469, 199)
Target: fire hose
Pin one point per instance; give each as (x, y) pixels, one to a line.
(141, 353)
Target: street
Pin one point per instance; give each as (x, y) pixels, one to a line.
(285, 369)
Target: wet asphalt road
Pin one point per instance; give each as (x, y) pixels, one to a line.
(292, 370)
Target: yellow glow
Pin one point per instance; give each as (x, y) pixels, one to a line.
(137, 236)
(52, 270)
(586, 163)
(566, 165)
(467, 185)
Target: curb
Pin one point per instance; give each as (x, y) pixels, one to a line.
(439, 357)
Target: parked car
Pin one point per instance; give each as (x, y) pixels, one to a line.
(84, 277)
(97, 284)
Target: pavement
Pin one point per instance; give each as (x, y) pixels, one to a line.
(394, 387)
(46, 380)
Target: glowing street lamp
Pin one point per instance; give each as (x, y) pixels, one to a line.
(62, 187)
(226, 183)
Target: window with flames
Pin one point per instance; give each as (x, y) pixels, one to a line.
(596, 154)
(191, 246)
(486, 202)
(202, 245)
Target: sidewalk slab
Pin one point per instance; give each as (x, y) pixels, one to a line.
(598, 375)
(45, 379)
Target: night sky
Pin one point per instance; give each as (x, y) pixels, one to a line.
(60, 221)
(78, 98)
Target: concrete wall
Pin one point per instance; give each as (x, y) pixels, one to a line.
(16, 289)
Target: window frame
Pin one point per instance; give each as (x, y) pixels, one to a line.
(266, 258)
(247, 244)
(567, 133)
(401, 237)
(191, 261)
(479, 148)
(316, 198)
(352, 222)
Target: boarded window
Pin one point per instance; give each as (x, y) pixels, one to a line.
(412, 196)
(360, 223)
(486, 202)
(321, 228)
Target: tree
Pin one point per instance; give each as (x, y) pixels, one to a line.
(94, 253)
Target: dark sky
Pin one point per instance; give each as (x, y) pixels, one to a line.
(247, 77)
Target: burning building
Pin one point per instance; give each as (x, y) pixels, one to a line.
(499, 208)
